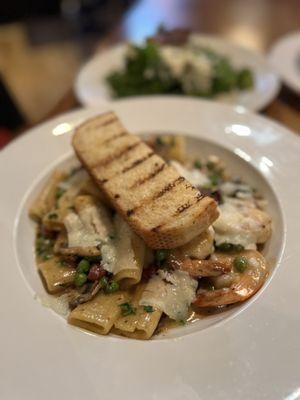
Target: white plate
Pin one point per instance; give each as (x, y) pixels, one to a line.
(284, 56)
(250, 353)
(91, 88)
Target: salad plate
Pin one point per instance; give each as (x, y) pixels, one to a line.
(287, 48)
(92, 85)
(235, 354)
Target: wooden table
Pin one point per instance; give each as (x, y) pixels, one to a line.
(253, 23)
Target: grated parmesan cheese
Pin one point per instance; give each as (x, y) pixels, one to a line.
(170, 292)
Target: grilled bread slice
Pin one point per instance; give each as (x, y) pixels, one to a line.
(160, 205)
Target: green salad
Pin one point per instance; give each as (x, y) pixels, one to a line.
(187, 69)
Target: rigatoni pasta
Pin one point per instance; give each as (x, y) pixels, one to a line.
(142, 323)
(55, 275)
(99, 314)
(45, 201)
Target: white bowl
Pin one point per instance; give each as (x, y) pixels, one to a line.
(238, 354)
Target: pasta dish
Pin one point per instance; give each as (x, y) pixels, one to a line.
(129, 242)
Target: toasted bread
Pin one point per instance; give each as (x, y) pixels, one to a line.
(160, 205)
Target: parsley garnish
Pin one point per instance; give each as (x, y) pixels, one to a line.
(148, 309)
(127, 309)
(44, 247)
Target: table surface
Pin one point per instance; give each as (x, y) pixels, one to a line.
(255, 24)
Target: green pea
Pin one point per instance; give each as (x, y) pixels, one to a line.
(80, 279)
(240, 263)
(198, 164)
(112, 287)
(215, 179)
(229, 247)
(84, 266)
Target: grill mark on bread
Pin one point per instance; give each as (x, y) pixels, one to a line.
(168, 187)
(187, 205)
(156, 228)
(102, 181)
(111, 139)
(147, 178)
(130, 212)
(182, 208)
(115, 156)
(199, 197)
(137, 162)
(108, 122)
(162, 192)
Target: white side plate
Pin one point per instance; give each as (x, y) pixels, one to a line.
(284, 56)
(91, 88)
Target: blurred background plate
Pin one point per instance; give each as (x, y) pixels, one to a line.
(91, 88)
(284, 56)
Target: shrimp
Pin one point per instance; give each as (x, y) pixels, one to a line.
(239, 286)
(202, 268)
(240, 222)
(191, 257)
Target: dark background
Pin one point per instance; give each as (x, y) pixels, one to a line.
(43, 44)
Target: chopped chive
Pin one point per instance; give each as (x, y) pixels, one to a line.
(127, 309)
(104, 282)
(148, 309)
